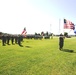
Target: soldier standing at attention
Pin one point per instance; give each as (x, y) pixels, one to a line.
(3, 40)
(16, 39)
(12, 39)
(61, 41)
(19, 40)
(8, 39)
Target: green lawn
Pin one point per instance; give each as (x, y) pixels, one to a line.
(39, 57)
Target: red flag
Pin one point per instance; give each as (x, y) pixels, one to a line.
(68, 24)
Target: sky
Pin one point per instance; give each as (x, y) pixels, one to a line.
(36, 15)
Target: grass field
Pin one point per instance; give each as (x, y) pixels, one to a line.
(39, 57)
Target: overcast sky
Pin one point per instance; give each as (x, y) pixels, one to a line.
(36, 15)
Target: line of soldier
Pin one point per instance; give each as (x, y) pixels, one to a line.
(15, 39)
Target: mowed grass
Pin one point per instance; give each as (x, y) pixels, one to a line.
(39, 57)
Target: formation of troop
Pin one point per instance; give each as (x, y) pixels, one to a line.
(8, 39)
(11, 39)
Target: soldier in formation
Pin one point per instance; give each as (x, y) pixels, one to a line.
(15, 39)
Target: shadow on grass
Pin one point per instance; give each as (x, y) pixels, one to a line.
(21, 45)
(8, 44)
(13, 44)
(3, 45)
(67, 50)
(27, 41)
(28, 46)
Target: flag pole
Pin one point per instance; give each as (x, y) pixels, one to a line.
(50, 28)
(59, 25)
(63, 25)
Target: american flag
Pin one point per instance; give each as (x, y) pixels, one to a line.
(24, 31)
(68, 24)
